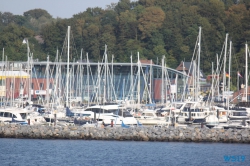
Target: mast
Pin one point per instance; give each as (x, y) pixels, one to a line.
(150, 82)
(212, 86)
(47, 82)
(13, 87)
(2, 79)
(56, 80)
(229, 63)
(166, 82)
(81, 81)
(67, 77)
(72, 82)
(99, 84)
(246, 75)
(112, 76)
(229, 72)
(217, 75)
(238, 84)
(30, 79)
(88, 76)
(105, 74)
(198, 66)
(139, 72)
(162, 79)
(123, 90)
(224, 68)
(59, 80)
(194, 82)
(131, 78)
(28, 67)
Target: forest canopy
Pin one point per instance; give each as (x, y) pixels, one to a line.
(151, 27)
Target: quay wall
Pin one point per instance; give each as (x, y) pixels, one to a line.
(189, 134)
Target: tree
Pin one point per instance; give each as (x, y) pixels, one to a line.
(11, 40)
(122, 6)
(37, 13)
(147, 3)
(7, 18)
(150, 19)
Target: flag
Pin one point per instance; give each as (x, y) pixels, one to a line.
(227, 75)
(239, 75)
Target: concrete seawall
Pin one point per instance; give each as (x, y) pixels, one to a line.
(129, 134)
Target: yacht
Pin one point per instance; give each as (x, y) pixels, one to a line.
(20, 115)
(169, 109)
(110, 115)
(212, 119)
(221, 113)
(150, 117)
(178, 111)
(239, 124)
(193, 113)
(238, 114)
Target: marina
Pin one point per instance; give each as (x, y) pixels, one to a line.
(133, 82)
(139, 93)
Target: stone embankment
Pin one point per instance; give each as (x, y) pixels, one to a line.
(189, 134)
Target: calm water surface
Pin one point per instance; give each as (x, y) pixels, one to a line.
(112, 153)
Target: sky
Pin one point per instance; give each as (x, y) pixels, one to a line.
(56, 8)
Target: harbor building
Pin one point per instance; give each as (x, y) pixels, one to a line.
(83, 81)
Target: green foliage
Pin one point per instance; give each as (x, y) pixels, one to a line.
(150, 20)
(11, 40)
(37, 13)
(151, 27)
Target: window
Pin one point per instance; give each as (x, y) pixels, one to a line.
(2, 82)
(95, 110)
(148, 114)
(7, 114)
(32, 85)
(23, 115)
(120, 112)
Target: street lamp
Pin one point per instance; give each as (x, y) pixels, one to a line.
(26, 41)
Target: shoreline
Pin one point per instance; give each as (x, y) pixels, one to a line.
(159, 134)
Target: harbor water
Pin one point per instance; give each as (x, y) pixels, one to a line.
(85, 152)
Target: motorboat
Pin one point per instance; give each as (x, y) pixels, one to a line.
(20, 115)
(221, 113)
(110, 115)
(149, 117)
(238, 124)
(238, 115)
(212, 119)
(193, 113)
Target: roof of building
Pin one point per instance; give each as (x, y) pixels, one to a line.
(188, 68)
(16, 74)
(145, 61)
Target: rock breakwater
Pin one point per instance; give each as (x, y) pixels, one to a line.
(189, 134)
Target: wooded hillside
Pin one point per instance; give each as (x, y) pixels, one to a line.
(151, 27)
